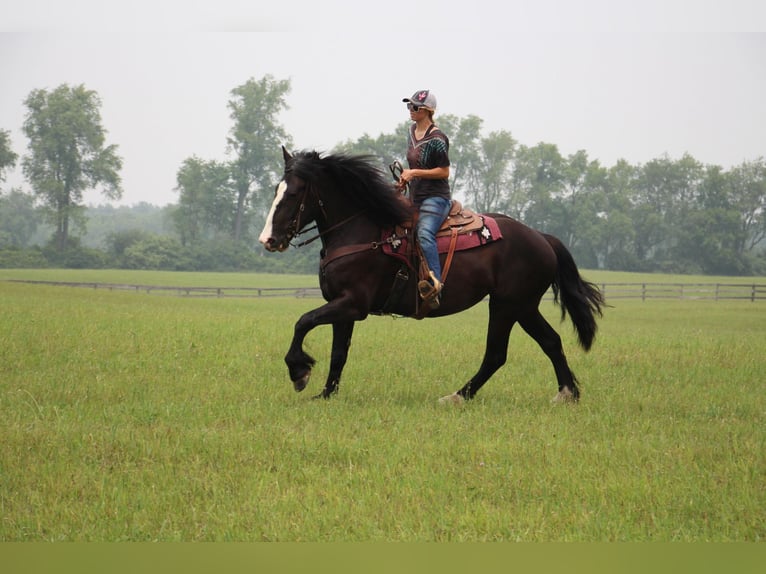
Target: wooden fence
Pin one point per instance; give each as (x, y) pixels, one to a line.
(710, 291)
(190, 291)
(644, 291)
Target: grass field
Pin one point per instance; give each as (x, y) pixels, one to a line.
(126, 416)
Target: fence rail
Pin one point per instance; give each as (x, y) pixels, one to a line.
(709, 291)
(190, 291)
(644, 291)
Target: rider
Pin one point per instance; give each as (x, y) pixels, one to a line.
(428, 178)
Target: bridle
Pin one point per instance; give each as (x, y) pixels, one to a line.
(294, 230)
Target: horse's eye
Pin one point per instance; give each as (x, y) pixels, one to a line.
(291, 191)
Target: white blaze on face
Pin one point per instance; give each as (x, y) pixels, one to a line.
(267, 229)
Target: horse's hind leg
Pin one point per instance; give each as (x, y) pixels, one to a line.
(550, 342)
(498, 333)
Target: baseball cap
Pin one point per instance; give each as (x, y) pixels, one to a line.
(422, 98)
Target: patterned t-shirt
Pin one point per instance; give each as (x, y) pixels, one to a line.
(427, 153)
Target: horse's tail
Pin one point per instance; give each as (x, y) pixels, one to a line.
(580, 298)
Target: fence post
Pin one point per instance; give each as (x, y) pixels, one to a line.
(643, 292)
(752, 294)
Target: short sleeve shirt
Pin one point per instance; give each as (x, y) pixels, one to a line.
(427, 153)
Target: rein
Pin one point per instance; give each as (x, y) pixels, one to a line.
(345, 250)
(296, 222)
(340, 251)
(322, 233)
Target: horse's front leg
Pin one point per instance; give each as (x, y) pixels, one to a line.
(299, 363)
(341, 342)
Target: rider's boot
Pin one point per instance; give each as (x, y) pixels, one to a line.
(429, 290)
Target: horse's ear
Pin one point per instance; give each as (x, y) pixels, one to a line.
(286, 154)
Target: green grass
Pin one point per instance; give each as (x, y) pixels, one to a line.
(127, 416)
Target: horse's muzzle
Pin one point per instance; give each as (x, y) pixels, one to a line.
(271, 245)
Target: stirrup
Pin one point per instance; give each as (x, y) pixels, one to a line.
(429, 290)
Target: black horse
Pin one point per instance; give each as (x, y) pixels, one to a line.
(352, 204)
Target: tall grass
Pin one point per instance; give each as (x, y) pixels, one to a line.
(131, 417)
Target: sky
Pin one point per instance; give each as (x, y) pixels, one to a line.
(633, 80)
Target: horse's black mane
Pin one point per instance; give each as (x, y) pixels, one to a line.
(358, 178)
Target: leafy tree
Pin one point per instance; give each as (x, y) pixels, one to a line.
(205, 207)
(68, 153)
(748, 198)
(18, 219)
(189, 217)
(707, 243)
(106, 221)
(118, 242)
(74, 255)
(465, 153)
(15, 258)
(7, 156)
(653, 197)
(537, 179)
(715, 189)
(386, 147)
(157, 252)
(491, 174)
(255, 139)
(584, 200)
(616, 248)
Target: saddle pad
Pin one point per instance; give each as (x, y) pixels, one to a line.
(396, 245)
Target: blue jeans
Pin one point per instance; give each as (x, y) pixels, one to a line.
(433, 212)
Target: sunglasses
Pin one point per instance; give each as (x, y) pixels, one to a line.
(414, 107)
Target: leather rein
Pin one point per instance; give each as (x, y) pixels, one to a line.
(401, 186)
(334, 253)
(296, 223)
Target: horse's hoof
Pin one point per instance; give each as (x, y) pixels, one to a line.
(302, 382)
(453, 399)
(565, 396)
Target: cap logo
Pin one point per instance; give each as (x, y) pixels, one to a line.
(422, 96)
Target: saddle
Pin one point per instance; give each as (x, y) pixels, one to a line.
(462, 229)
(459, 220)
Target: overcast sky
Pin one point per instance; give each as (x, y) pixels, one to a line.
(618, 79)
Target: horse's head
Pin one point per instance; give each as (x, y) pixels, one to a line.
(329, 190)
(288, 210)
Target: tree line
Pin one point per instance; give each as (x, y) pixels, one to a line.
(670, 215)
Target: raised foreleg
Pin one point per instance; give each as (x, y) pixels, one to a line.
(341, 314)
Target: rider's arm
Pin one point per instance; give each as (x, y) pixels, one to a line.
(433, 173)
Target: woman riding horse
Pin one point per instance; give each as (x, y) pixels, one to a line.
(352, 205)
